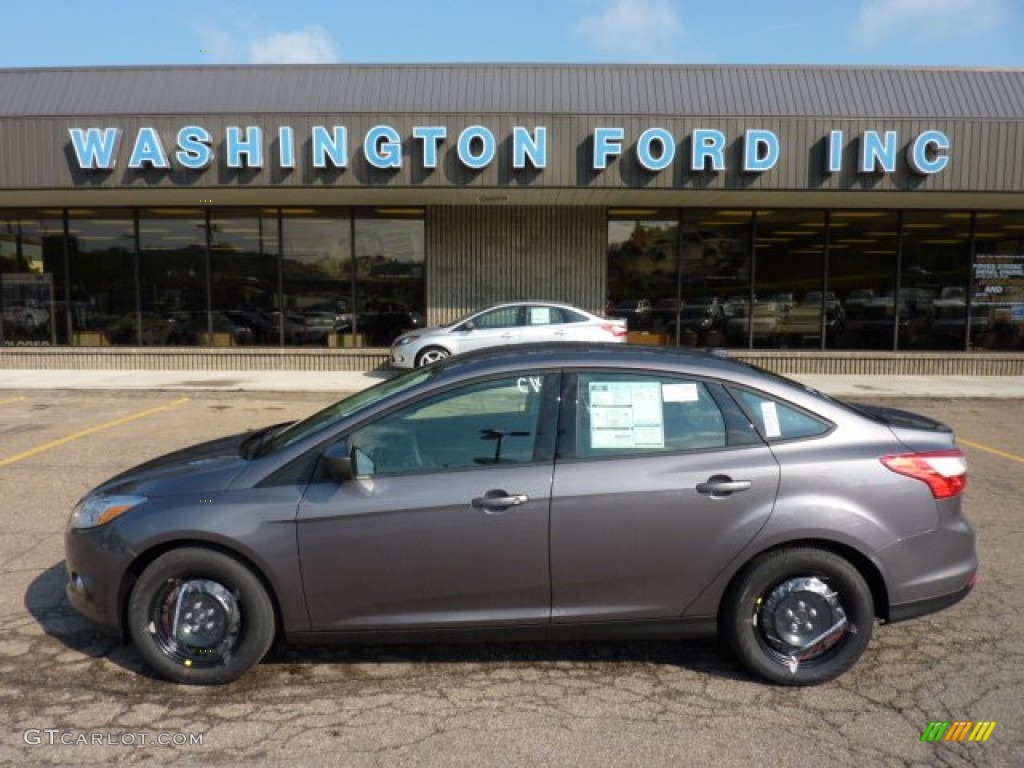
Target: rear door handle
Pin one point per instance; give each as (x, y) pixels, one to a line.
(722, 485)
(499, 500)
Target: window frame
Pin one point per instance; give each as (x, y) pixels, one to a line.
(734, 419)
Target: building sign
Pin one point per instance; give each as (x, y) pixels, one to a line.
(477, 147)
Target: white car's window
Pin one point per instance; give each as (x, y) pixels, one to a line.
(502, 317)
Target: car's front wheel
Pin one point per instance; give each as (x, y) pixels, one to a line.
(200, 617)
(798, 616)
(431, 355)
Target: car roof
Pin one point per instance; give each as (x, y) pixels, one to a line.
(576, 354)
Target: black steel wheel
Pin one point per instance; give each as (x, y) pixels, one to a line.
(798, 616)
(200, 617)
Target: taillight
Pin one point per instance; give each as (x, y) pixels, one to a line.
(944, 471)
(618, 331)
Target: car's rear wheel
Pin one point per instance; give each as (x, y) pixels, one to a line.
(200, 617)
(798, 616)
(431, 355)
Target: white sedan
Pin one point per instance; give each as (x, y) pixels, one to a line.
(518, 322)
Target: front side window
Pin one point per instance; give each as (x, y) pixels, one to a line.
(478, 425)
(624, 414)
(502, 317)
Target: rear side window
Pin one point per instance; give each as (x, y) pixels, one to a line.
(778, 420)
(625, 414)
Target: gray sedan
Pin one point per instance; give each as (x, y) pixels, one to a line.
(536, 492)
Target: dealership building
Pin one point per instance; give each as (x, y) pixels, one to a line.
(302, 216)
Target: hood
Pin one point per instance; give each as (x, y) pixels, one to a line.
(205, 467)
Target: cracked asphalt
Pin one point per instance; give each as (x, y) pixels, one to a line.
(72, 695)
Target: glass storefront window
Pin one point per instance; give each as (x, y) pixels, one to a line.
(101, 247)
(936, 254)
(863, 250)
(317, 267)
(792, 306)
(643, 266)
(243, 259)
(714, 280)
(32, 286)
(174, 268)
(997, 300)
(390, 277)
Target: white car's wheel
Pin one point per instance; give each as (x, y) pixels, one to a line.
(431, 355)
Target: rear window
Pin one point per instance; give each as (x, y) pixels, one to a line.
(778, 420)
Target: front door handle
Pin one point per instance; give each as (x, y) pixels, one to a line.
(499, 500)
(722, 485)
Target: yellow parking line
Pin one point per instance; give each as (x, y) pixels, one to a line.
(11, 400)
(90, 431)
(996, 451)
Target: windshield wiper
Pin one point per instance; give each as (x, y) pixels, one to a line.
(252, 447)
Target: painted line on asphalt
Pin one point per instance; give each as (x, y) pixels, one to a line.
(91, 431)
(996, 451)
(10, 400)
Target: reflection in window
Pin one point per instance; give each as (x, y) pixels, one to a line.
(933, 282)
(997, 312)
(173, 276)
(863, 249)
(317, 266)
(479, 425)
(642, 268)
(243, 256)
(32, 301)
(790, 306)
(389, 277)
(101, 245)
(715, 279)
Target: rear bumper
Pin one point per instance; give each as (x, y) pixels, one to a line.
(930, 605)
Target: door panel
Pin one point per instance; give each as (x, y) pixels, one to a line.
(661, 482)
(412, 550)
(633, 538)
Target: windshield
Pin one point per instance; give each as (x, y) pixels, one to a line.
(332, 414)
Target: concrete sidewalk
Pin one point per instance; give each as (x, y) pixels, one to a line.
(1006, 387)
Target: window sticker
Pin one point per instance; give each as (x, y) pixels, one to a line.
(626, 414)
(540, 316)
(684, 392)
(770, 416)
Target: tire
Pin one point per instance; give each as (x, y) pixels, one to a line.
(431, 355)
(783, 601)
(232, 634)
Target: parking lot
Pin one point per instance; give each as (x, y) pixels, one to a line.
(70, 694)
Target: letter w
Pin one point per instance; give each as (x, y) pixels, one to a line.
(935, 731)
(96, 148)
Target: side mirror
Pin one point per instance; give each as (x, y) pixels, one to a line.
(469, 325)
(338, 459)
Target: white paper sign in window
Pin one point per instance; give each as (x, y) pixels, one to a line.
(626, 414)
(681, 392)
(540, 316)
(770, 416)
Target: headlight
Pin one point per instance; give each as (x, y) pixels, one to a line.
(401, 342)
(93, 511)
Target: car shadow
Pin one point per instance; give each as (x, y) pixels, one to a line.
(47, 603)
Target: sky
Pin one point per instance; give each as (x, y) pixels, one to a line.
(960, 33)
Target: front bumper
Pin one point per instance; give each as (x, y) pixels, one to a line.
(402, 357)
(96, 561)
